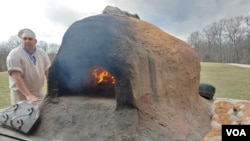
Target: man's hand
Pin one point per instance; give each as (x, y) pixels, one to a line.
(33, 98)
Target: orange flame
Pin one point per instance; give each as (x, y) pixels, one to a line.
(102, 76)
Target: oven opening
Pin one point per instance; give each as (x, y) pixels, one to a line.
(99, 83)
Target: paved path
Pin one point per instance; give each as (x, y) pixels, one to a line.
(240, 65)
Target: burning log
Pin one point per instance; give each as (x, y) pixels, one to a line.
(101, 76)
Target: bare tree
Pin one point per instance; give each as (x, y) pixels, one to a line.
(13, 42)
(53, 48)
(43, 45)
(227, 40)
(247, 21)
(195, 39)
(247, 40)
(234, 33)
(5, 48)
(209, 36)
(3, 55)
(218, 30)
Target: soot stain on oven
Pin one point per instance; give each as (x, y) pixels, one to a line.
(92, 61)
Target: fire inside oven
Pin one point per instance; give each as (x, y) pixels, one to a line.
(101, 76)
(99, 82)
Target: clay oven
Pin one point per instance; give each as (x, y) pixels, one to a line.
(150, 72)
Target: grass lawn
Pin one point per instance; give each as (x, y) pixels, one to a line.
(4, 90)
(229, 81)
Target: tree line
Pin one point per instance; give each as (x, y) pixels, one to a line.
(14, 41)
(224, 41)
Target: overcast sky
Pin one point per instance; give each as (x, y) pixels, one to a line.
(51, 18)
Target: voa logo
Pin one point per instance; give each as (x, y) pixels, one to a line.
(236, 132)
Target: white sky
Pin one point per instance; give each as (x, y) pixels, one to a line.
(34, 14)
(51, 18)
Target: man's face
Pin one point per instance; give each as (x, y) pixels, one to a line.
(29, 43)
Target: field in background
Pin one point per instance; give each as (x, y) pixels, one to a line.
(4, 90)
(230, 82)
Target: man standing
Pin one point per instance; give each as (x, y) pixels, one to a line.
(27, 67)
